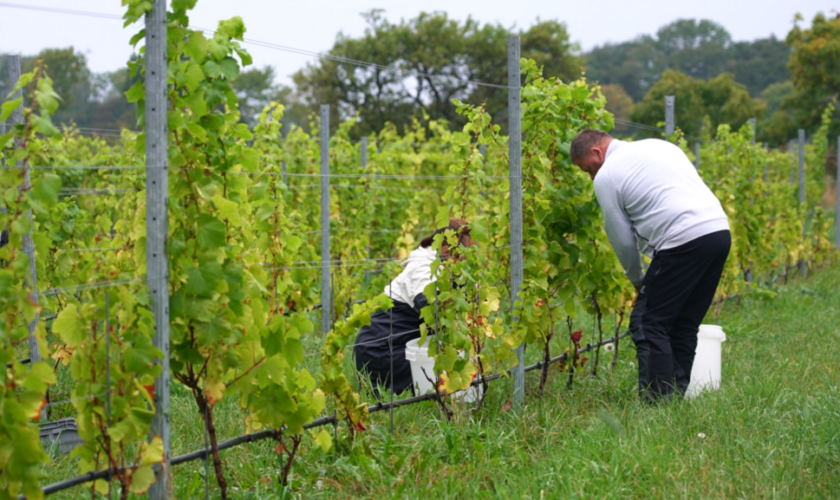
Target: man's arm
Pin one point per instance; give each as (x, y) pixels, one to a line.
(619, 228)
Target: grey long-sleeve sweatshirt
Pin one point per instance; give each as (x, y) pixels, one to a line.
(651, 196)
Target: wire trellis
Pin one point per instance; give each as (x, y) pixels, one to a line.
(311, 264)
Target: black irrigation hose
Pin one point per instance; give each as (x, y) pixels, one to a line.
(22, 361)
(330, 420)
(73, 481)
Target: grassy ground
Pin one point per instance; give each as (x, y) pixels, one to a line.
(772, 431)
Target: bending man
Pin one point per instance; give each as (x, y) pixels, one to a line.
(652, 197)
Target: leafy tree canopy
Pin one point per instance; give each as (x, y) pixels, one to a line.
(421, 64)
(88, 100)
(716, 101)
(778, 126)
(256, 89)
(618, 102)
(815, 70)
(699, 48)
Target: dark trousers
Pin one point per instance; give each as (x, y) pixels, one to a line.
(675, 295)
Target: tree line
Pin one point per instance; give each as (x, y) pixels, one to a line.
(421, 64)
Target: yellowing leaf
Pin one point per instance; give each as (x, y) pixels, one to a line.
(214, 391)
(142, 479)
(152, 452)
(492, 331)
(101, 486)
(323, 440)
(40, 375)
(228, 209)
(319, 401)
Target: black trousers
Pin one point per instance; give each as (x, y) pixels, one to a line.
(373, 351)
(675, 295)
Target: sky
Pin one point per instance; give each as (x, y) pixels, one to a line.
(312, 25)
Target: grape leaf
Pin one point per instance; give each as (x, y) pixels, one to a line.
(211, 232)
(70, 327)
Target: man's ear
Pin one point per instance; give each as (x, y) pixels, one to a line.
(602, 152)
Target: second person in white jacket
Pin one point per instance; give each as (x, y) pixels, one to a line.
(389, 331)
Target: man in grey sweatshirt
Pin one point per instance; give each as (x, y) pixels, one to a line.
(654, 201)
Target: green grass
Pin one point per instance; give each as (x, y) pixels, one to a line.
(772, 431)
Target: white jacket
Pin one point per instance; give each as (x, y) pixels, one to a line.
(652, 197)
(414, 278)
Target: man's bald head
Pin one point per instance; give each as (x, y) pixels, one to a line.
(584, 141)
(589, 150)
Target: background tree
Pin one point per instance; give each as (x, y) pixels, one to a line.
(779, 126)
(73, 79)
(815, 70)
(425, 62)
(758, 64)
(112, 110)
(689, 110)
(88, 100)
(620, 105)
(696, 48)
(719, 100)
(699, 48)
(618, 102)
(727, 101)
(256, 89)
(633, 65)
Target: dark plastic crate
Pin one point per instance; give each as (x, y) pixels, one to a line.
(64, 431)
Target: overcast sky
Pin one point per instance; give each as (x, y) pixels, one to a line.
(313, 24)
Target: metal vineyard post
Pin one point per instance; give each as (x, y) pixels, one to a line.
(157, 227)
(364, 145)
(515, 155)
(669, 116)
(326, 302)
(27, 244)
(803, 265)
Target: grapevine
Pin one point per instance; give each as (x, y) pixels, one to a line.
(245, 265)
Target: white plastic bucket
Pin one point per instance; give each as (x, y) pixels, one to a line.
(705, 374)
(418, 357)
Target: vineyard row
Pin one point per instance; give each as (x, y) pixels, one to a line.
(207, 268)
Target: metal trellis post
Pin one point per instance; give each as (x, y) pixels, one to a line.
(793, 157)
(803, 265)
(363, 144)
(108, 373)
(749, 275)
(157, 227)
(515, 155)
(669, 116)
(27, 243)
(326, 302)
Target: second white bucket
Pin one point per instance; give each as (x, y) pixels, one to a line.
(705, 374)
(418, 357)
